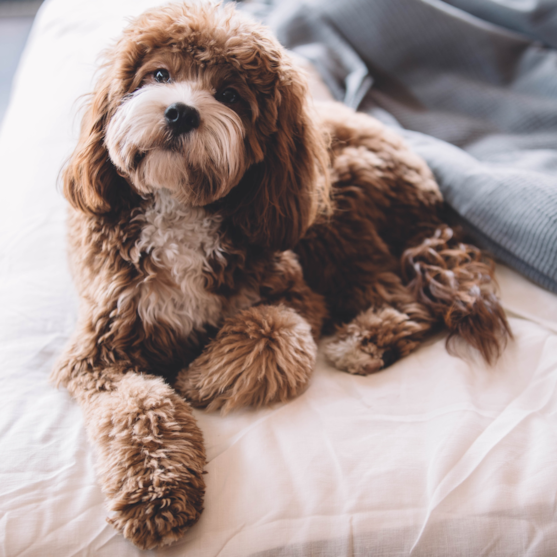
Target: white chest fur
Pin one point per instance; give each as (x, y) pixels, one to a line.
(179, 241)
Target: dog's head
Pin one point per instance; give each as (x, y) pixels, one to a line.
(206, 103)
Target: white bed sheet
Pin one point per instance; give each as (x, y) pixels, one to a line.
(436, 456)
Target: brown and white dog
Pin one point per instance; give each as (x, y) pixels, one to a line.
(218, 224)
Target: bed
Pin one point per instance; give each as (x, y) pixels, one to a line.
(438, 455)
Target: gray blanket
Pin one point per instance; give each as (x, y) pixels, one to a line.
(473, 86)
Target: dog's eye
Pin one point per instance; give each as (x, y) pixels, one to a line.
(161, 75)
(228, 96)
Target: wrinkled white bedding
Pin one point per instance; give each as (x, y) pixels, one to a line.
(436, 456)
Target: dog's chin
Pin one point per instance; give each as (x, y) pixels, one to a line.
(168, 169)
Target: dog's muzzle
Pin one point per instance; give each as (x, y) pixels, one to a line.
(182, 118)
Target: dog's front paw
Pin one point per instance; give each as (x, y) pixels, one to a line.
(151, 460)
(263, 355)
(152, 520)
(372, 341)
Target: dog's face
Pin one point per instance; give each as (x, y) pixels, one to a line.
(205, 103)
(182, 128)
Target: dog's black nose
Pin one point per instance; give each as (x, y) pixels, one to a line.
(182, 118)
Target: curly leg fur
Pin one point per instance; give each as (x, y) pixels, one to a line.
(448, 282)
(381, 335)
(150, 453)
(453, 280)
(263, 355)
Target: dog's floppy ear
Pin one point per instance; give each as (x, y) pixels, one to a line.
(90, 180)
(279, 197)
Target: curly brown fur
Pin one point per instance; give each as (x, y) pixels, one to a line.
(385, 225)
(150, 452)
(388, 330)
(455, 282)
(263, 355)
(200, 164)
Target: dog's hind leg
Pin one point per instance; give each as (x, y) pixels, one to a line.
(383, 333)
(445, 281)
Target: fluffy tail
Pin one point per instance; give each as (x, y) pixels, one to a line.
(456, 283)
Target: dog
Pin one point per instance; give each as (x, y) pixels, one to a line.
(219, 224)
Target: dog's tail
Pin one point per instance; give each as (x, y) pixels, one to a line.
(456, 283)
